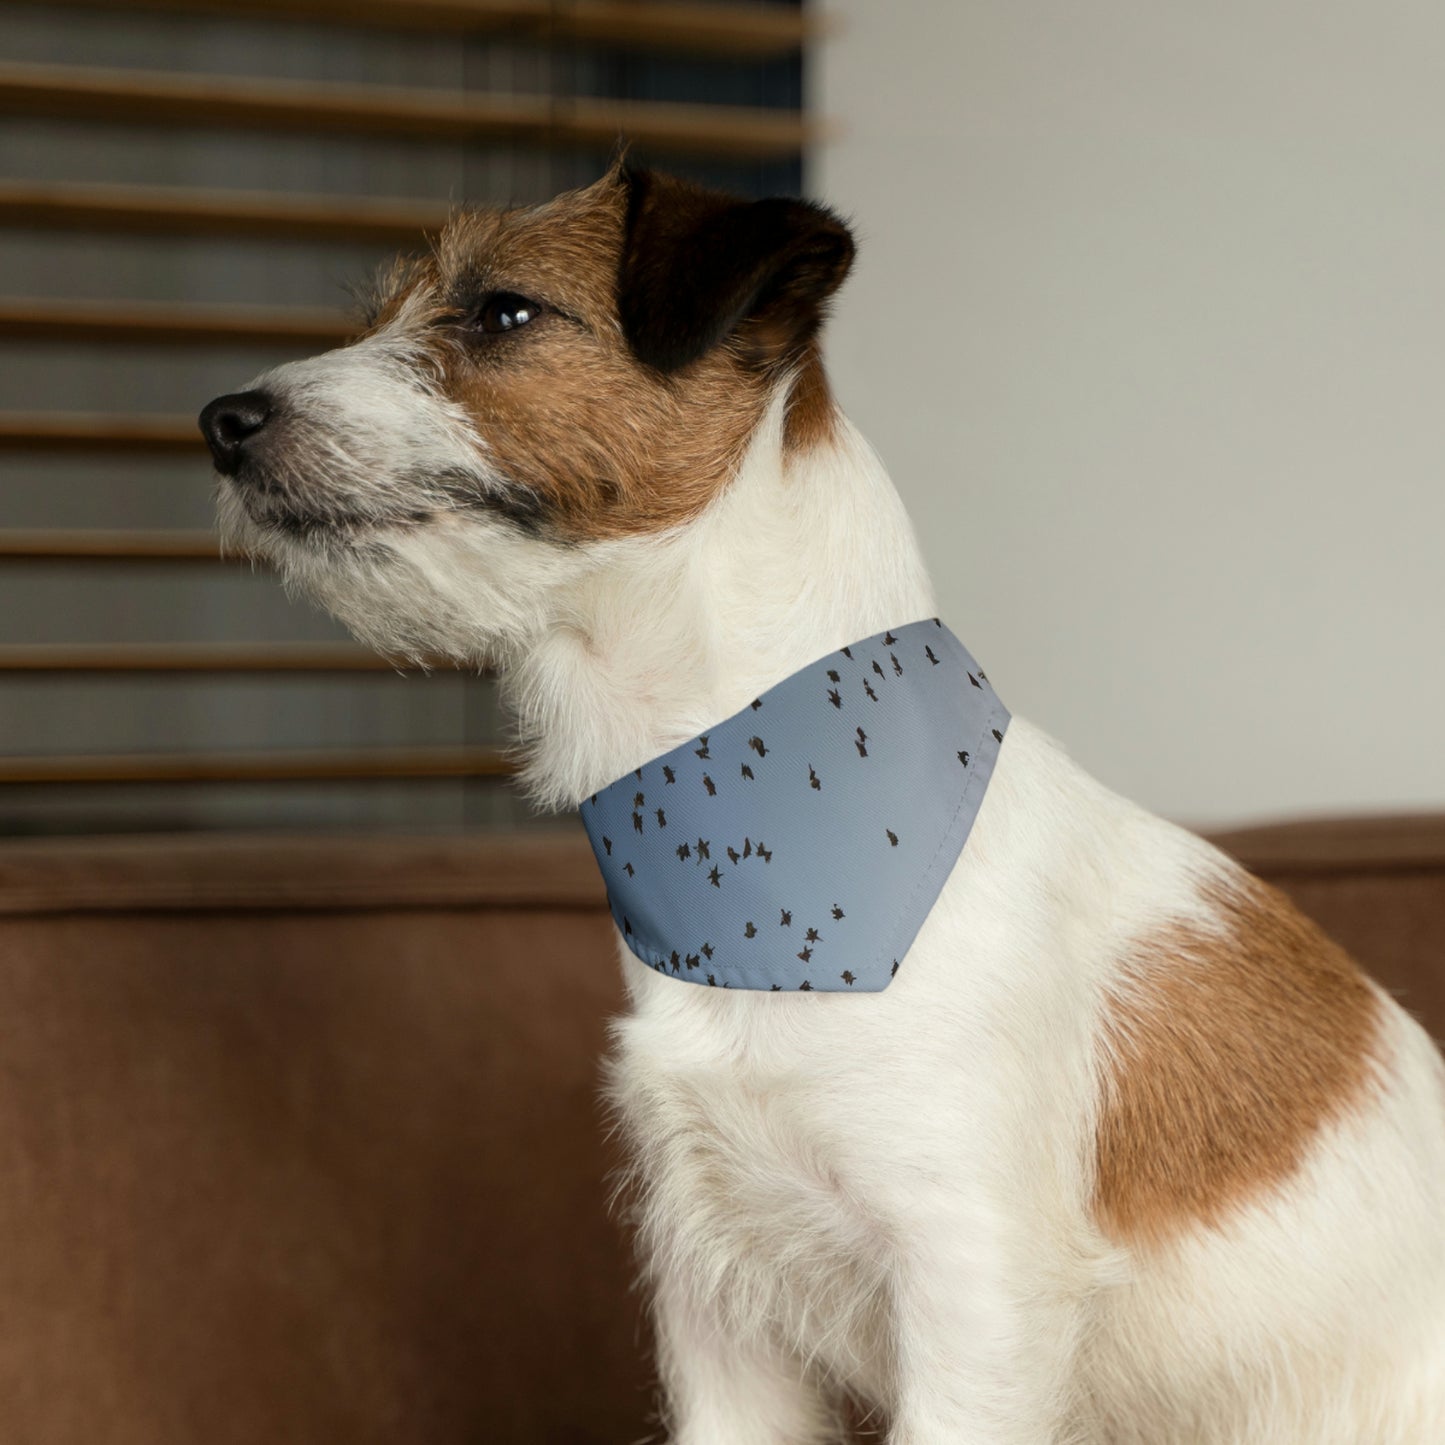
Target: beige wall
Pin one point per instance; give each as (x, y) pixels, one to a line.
(1149, 324)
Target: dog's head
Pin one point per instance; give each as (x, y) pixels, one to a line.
(547, 383)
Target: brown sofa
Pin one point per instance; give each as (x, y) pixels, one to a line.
(299, 1139)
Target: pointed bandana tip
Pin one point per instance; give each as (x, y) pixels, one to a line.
(842, 797)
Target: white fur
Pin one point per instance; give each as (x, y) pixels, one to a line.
(889, 1195)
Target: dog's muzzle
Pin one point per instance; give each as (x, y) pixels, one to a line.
(231, 424)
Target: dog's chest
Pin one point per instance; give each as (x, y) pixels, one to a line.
(749, 1182)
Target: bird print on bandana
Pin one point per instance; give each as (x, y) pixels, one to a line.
(863, 771)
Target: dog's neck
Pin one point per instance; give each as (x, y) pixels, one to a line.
(804, 552)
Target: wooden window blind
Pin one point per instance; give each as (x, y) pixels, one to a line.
(187, 189)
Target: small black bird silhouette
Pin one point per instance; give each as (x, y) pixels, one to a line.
(892, 836)
(868, 688)
(668, 774)
(711, 786)
(860, 742)
(937, 623)
(787, 918)
(813, 780)
(734, 856)
(805, 987)
(629, 870)
(897, 666)
(766, 854)
(711, 981)
(750, 931)
(776, 988)
(877, 668)
(747, 847)
(715, 876)
(638, 801)
(676, 961)
(702, 752)
(997, 736)
(848, 653)
(607, 844)
(975, 682)
(692, 960)
(639, 775)
(833, 676)
(928, 653)
(813, 936)
(757, 703)
(847, 977)
(983, 674)
(747, 772)
(963, 758)
(894, 969)
(704, 850)
(661, 818)
(888, 639)
(707, 951)
(756, 744)
(835, 697)
(637, 821)
(684, 852)
(805, 954)
(838, 912)
(626, 928)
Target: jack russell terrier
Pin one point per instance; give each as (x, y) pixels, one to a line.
(955, 1085)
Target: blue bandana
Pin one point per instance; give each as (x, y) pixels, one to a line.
(801, 843)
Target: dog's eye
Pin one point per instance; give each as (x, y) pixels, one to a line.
(505, 311)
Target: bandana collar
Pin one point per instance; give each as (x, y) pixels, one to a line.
(800, 844)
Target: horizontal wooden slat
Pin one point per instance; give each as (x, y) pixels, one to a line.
(179, 657)
(170, 210)
(170, 324)
(216, 101)
(1391, 842)
(107, 546)
(707, 29)
(316, 871)
(325, 871)
(264, 767)
(95, 431)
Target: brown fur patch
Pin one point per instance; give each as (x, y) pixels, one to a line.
(812, 413)
(1228, 1051)
(597, 443)
(603, 446)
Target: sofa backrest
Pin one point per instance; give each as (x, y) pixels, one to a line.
(300, 1138)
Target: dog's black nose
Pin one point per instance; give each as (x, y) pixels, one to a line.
(229, 422)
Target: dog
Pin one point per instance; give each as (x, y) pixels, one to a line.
(1127, 1153)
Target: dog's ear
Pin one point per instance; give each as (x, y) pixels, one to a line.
(699, 267)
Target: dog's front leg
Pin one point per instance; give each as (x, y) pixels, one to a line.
(986, 1349)
(720, 1388)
